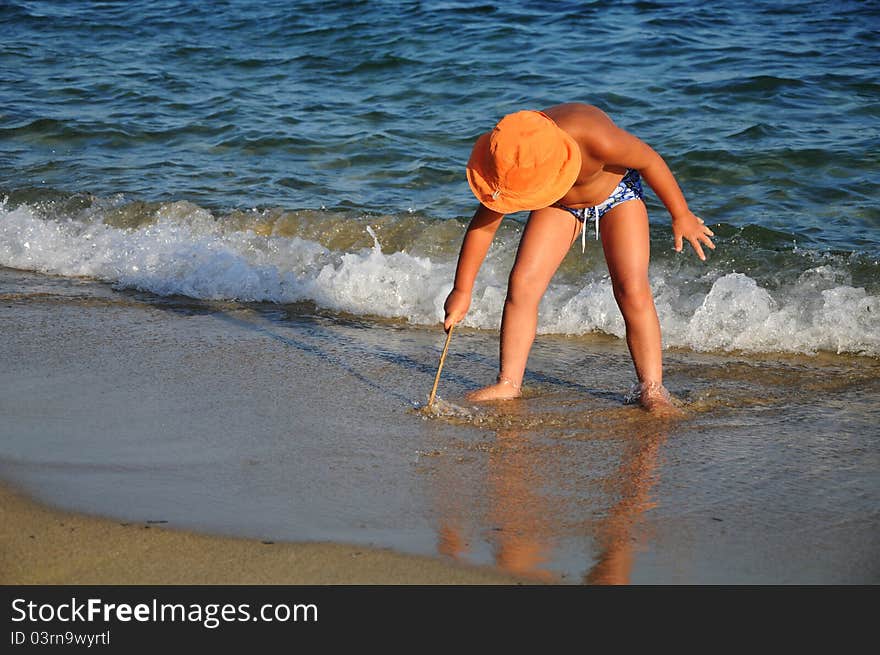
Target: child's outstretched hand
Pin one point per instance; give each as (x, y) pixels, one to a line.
(691, 227)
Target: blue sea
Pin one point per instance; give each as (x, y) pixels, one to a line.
(304, 161)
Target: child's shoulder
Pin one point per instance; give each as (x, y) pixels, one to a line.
(580, 110)
(582, 121)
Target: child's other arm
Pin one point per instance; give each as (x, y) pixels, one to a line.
(617, 147)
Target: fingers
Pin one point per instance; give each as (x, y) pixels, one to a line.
(704, 237)
(705, 229)
(696, 235)
(451, 319)
(697, 248)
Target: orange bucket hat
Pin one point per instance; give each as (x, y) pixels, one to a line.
(526, 162)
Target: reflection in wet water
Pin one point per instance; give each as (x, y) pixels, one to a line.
(523, 517)
(616, 535)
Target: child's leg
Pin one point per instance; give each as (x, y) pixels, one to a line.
(626, 243)
(547, 238)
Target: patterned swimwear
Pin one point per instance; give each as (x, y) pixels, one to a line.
(630, 188)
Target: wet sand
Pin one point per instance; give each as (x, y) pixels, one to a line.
(285, 424)
(39, 545)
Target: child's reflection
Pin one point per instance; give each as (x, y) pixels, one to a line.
(615, 535)
(523, 525)
(521, 520)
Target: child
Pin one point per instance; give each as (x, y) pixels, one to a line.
(566, 164)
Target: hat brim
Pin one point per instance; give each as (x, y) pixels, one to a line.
(552, 186)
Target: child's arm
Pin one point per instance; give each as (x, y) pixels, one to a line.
(477, 240)
(615, 146)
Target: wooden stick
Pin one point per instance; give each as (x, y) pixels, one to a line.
(440, 367)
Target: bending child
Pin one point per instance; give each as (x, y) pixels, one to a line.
(567, 164)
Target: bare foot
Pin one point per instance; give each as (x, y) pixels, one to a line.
(654, 398)
(663, 408)
(504, 389)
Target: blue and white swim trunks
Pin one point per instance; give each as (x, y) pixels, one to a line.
(630, 188)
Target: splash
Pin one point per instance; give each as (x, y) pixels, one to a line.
(180, 248)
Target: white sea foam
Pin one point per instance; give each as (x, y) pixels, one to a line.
(186, 251)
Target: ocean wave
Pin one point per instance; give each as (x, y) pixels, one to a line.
(402, 267)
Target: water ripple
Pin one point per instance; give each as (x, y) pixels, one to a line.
(766, 112)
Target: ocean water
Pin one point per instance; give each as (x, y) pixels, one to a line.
(241, 150)
(305, 159)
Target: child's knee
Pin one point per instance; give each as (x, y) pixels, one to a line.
(524, 287)
(634, 296)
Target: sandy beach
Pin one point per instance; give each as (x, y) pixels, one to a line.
(283, 424)
(223, 271)
(42, 546)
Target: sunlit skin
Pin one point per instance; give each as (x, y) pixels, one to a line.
(606, 153)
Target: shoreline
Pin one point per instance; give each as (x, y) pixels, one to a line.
(40, 545)
(179, 419)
